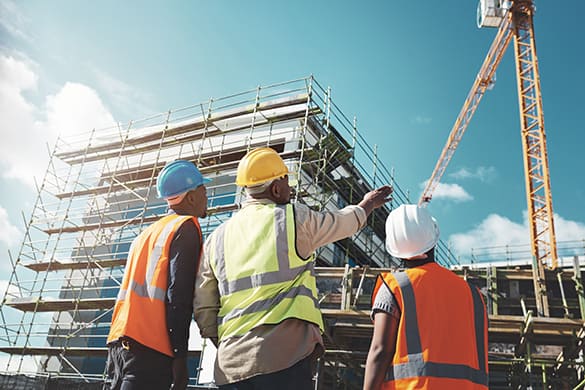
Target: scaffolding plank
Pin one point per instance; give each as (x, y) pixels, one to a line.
(131, 147)
(137, 220)
(356, 323)
(67, 351)
(55, 351)
(346, 325)
(56, 265)
(133, 221)
(40, 305)
(143, 176)
(193, 126)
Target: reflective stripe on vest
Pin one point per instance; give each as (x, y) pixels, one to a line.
(416, 366)
(285, 281)
(140, 309)
(146, 288)
(284, 272)
(266, 304)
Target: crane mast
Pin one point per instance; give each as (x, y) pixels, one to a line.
(517, 21)
(536, 170)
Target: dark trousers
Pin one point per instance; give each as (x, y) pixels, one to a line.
(297, 377)
(132, 366)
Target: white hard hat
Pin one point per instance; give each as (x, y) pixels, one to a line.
(410, 231)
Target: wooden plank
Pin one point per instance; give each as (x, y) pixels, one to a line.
(40, 305)
(67, 351)
(344, 324)
(153, 140)
(55, 351)
(134, 221)
(143, 176)
(56, 265)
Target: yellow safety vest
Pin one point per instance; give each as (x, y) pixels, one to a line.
(261, 278)
(140, 310)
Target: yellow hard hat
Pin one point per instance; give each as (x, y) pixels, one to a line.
(259, 166)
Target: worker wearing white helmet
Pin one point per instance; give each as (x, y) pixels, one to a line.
(430, 326)
(256, 291)
(149, 334)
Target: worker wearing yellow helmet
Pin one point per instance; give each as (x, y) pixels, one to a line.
(430, 326)
(256, 295)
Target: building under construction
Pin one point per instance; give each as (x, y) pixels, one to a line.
(98, 193)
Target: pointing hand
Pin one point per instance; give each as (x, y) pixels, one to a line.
(376, 198)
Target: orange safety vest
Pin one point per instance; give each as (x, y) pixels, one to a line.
(140, 310)
(442, 332)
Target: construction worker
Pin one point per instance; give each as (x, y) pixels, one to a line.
(147, 344)
(256, 295)
(430, 325)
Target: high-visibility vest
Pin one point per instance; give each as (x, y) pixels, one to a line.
(261, 278)
(140, 310)
(442, 332)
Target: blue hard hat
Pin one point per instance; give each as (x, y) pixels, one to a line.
(178, 177)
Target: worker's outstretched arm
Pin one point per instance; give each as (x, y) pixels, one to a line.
(315, 229)
(381, 350)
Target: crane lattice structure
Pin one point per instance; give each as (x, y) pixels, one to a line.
(515, 19)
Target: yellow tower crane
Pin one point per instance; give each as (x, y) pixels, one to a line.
(515, 19)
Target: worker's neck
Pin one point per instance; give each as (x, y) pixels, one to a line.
(264, 197)
(180, 211)
(416, 263)
(266, 194)
(429, 257)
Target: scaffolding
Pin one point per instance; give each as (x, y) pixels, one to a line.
(98, 193)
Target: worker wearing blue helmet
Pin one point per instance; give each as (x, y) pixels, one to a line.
(149, 335)
(177, 179)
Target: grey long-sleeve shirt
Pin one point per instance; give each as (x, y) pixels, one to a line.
(271, 348)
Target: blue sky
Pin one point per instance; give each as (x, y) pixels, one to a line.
(403, 68)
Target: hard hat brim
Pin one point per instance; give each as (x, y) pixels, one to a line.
(204, 180)
(253, 183)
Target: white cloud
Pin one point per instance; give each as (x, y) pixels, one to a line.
(21, 145)
(452, 192)
(9, 234)
(484, 174)
(499, 231)
(495, 230)
(566, 230)
(27, 130)
(76, 108)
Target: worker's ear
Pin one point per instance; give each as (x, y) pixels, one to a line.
(274, 190)
(191, 199)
